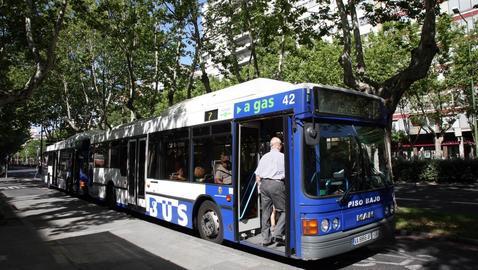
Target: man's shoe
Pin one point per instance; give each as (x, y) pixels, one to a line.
(279, 241)
(266, 244)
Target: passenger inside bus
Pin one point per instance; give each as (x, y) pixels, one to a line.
(179, 174)
(223, 171)
(199, 174)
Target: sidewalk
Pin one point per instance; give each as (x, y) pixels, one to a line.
(21, 247)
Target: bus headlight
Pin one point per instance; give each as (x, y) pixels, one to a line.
(392, 209)
(386, 210)
(335, 223)
(325, 225)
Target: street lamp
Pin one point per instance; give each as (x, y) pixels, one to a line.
(457, 11)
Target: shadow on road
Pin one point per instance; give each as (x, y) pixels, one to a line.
(107, 251)
(78, 215)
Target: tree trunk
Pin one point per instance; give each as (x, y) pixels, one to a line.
(438, 139)
(66, 98)
(132, 88)
(231, 44)
(281, 56)
(199, 44)
(248, 28)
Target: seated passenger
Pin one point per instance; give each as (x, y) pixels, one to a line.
(199, 174)
(178, 175)
(223, 171)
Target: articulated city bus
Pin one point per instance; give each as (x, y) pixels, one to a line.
(339, 189)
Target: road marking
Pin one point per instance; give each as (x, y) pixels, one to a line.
(12, 187)
(414, 267)
(421, 200)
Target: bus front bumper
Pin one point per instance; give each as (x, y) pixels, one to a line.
(318, 247)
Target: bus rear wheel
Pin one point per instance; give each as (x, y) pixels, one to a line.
(209, 222)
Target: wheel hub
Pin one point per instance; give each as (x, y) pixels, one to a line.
(210, 224)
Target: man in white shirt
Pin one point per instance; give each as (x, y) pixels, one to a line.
(270, 173)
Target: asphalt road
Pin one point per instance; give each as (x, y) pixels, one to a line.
(451, 198)
(57, 231)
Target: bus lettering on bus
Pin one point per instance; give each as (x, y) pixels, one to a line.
(355, 203)
(167, 209)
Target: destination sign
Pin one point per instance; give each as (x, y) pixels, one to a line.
(342, 103)
(268, 104)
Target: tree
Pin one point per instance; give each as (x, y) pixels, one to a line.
(20, 45)
(15, 129)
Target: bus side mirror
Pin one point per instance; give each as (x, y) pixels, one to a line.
(311, 132)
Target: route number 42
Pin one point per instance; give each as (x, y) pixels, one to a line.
(288, 99)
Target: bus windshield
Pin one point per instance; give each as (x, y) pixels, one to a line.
(347, 157)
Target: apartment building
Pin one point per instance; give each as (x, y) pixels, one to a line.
(457, 141)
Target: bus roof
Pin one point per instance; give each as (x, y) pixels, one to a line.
(71, 141)
(191, 112)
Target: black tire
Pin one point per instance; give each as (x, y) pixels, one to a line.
(110, 196)
(209, 222)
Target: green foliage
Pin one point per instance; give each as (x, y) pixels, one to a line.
(399, 137)
(440, 171)
(315, 64)
(14, 130)
(388, 51)
(31, 149)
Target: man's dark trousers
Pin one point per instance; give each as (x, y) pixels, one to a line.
(272, 193)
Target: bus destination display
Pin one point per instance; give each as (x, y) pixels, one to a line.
(274, 103)
(342, 103)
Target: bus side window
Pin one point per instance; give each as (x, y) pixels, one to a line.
(209, 143)
(168, 156)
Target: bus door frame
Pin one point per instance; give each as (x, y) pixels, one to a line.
(289, 149)
(133, 195)
(238, 177)
(132, 172)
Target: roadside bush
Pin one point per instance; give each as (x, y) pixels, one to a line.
(440, 171)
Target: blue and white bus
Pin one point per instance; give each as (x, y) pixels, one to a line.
(339, 190)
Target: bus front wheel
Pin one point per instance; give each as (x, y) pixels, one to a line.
(209, 222)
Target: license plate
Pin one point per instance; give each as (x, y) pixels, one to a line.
(365, 238)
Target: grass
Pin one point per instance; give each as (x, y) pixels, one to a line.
(436, 223)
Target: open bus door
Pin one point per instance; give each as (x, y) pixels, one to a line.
(253, 139)
(248, 157)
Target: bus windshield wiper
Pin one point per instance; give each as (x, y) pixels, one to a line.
(344, 198)
(357, 169)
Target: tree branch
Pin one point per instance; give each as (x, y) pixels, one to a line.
(41, 67)
(422, 56)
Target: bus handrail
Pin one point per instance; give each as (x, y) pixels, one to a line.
(248, 185)
(248, 199)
